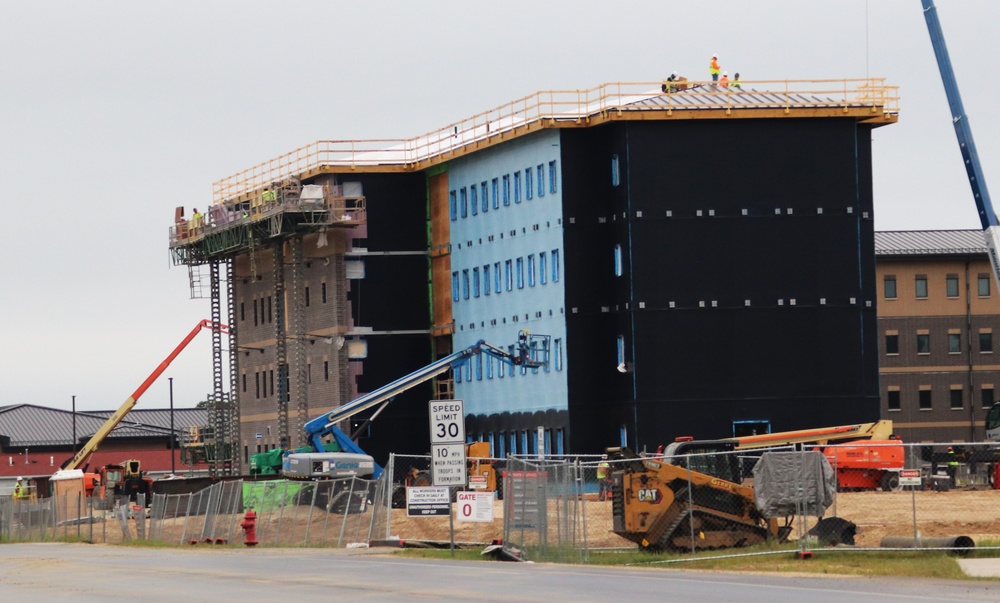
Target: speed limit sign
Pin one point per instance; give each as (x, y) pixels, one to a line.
(447, 443)
(447, 422)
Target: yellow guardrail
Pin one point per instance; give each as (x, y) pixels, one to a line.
(563, 107)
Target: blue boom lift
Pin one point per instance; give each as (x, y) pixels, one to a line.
(531, 351)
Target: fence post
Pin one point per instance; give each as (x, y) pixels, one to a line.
(187, 516)
(235, 507)
(836, 480)
(687, 463)
(312, 505)
(582, 509)
(140, 519)
(800, 503)
(380, 487)
(347, 512)
(391, 471)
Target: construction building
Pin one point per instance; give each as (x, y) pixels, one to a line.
(938, 312)
(702, 259)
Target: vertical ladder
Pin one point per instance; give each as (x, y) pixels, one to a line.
(220, 464)
(281, 342)
(297, 323)
(196, 280)
(234, 433)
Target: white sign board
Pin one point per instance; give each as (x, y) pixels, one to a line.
(447, 442)
(474, 506)
(427, 501)
(909, 477)
(478, 482)
(448, 464)
(447, 421)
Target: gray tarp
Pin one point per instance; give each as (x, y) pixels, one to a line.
(793, 483)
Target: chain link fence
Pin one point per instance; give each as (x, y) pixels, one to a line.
(851, 497)
(687, 507)
(331, 513)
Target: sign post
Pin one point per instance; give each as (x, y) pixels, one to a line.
(448, 449)
(911, 478)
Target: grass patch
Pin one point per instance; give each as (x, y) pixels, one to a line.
(775, 558)
(926, 564)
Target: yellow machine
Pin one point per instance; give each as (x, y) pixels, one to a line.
(660, 506)
(879, 430)
(477, 455)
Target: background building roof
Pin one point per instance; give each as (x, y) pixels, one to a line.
(929, 242)
(27, 425)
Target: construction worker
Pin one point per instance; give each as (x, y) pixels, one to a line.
(736, 81)
(713, 67)
(952, 466)
(724, 82)
(603, 483)
(196, 218)
(669, 86)
(19, 490)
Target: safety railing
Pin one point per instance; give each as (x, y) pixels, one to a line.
(551, 107)
(333, 207)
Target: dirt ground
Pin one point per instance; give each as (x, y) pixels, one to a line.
(973, 513)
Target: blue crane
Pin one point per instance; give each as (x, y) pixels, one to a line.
(963, 131)
(531, 351)
(967, 145)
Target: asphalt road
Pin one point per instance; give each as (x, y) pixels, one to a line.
(84, 573)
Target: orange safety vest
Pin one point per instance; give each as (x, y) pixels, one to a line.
(713, 67)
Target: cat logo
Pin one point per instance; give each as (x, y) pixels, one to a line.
(648, 495)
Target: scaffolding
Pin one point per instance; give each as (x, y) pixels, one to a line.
(278, 215)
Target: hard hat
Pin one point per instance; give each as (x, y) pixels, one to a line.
(715, 56)
(19, 478)
(726, 73)
(949, 450)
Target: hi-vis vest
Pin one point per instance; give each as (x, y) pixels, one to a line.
(713, 67)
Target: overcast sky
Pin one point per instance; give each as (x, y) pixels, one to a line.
(113, 113)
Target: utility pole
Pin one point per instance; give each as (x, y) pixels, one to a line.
(171, 381)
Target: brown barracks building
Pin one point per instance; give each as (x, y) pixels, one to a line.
(938, 313)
